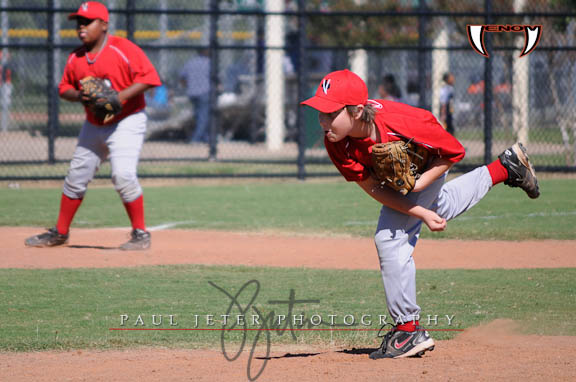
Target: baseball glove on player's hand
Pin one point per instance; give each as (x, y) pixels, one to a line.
(399, 164)
(99, 96)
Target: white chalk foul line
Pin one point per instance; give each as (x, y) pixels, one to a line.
(170, 225)
(532, 215)
(486, 217)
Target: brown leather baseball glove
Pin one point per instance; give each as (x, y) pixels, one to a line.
(399, 164)
(100, 98)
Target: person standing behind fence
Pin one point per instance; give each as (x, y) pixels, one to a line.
(5, 90)
(447, 102)
(195, 76)
(130, 73)
(389, 89)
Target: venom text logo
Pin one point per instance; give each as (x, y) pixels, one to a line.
(532, 35)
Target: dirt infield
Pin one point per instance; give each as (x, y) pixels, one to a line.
(488, 353)
(98, 248)
(491, 352)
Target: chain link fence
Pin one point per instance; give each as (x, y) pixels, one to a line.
(252, 61)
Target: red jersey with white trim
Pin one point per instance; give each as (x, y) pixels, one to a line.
(394, 121)
(120, 61)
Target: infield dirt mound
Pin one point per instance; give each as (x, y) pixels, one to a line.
(98, 248)
(488, 353)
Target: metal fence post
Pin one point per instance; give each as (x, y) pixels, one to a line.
(51, 90)
(260, 42)
(163, 30)
(130, 14)
(214, 65)
(488, 96)
(302, 75)
(4, 92)
(422, 52)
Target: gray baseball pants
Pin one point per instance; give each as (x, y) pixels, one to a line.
(397, 234)
(121, 142)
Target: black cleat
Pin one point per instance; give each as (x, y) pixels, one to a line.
(401, 344)
(520, 171)
(51, 238)
(140, 240)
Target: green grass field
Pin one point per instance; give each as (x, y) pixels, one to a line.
(75, 308)
(308, 207)
(62, 309)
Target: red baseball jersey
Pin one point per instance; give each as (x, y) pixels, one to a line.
(394, 121)
(120, 61)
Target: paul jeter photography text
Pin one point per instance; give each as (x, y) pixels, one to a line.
(242, 313)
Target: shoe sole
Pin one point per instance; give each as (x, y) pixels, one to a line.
(520, 151)
(45, 245)
(524, 159)
(419, 350)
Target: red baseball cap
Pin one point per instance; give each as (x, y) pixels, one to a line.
(91, 10)
(338, 89)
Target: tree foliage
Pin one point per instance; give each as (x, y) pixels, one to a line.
(355, 31)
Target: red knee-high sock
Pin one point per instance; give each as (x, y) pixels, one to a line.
(498, 172)
(135, 210)
(68, 208)
(408, 326)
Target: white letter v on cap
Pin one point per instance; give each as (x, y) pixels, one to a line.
(325, 86)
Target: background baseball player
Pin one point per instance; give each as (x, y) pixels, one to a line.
(352, 125)
(447, 102)
(118, 135)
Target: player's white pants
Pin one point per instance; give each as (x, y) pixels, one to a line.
(397, 234)
(120, 142)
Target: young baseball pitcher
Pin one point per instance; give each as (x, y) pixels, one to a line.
(356, 128)
(109, 75)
